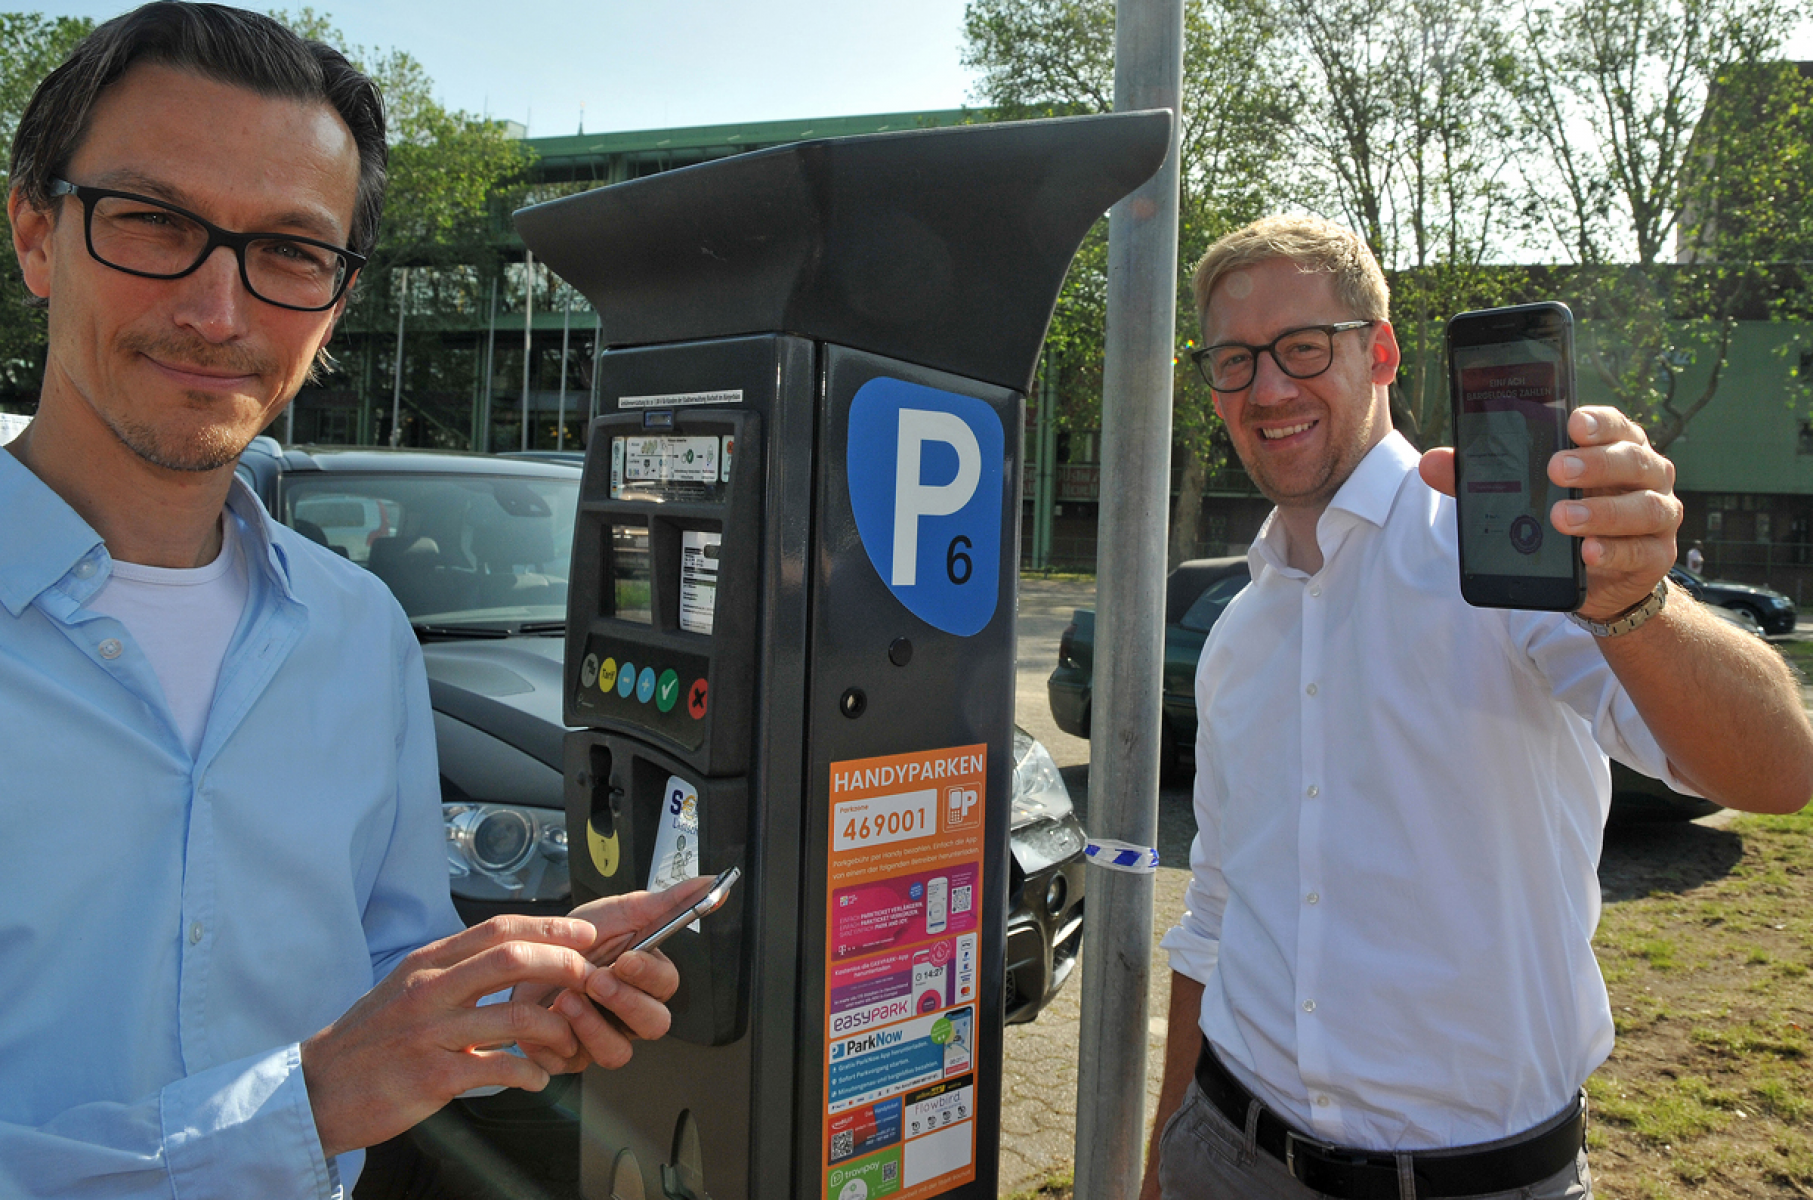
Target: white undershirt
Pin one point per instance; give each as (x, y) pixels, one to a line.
(182, 619)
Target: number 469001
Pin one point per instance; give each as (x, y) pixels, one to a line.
(879, 820)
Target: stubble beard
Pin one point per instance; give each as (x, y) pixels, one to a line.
(211, 445)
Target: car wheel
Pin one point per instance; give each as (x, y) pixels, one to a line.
(1749, 610)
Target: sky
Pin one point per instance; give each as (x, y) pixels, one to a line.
(636, 64)
(633, 64)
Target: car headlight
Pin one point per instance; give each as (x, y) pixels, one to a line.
(506, 852)
(1781, 602)
(1039, 791)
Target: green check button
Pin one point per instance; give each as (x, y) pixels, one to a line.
(667, 691)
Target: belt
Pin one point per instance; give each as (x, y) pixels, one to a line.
(1352, 1174)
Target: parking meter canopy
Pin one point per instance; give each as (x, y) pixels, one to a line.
(942, 247)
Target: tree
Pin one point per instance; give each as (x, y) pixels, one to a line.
(1056, 57)
(1638, 74)
(1405, 139)
(453, 178)
(31, 46)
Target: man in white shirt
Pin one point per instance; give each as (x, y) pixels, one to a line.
(1383, 985)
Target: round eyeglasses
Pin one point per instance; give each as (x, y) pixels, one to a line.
(1300, 353)
(155, 240)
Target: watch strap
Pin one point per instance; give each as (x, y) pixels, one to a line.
(1630, 618)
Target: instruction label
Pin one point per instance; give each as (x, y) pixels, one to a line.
(901, 961)
(699, 579)
(668, 467)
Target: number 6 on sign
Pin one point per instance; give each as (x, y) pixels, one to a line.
(880, 820)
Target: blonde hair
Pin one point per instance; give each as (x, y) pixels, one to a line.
(1316, 246)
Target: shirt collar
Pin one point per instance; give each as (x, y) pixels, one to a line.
(1368, 494)
(42, 540)
(47, 539)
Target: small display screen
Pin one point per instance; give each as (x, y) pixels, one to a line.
(1512, 419)
(630, 573)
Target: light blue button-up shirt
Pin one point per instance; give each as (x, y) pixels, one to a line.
(171, 927)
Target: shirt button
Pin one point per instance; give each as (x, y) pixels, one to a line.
(86, 569)
(1321, 1101)
(1315, 591)
(1311, 689)
(1313, 792)
(1314, 897)
(110, 648)
(195, 933)
(1309, 1006)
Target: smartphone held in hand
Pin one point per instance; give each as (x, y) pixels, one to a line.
(1511, 389)
(686, 911)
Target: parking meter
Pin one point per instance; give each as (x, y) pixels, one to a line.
(790, 635)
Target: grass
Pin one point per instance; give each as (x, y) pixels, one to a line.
(1707, 1092)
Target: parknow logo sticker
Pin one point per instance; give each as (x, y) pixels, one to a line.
(925, 469)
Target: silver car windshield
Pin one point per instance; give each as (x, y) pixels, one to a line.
(456, 550)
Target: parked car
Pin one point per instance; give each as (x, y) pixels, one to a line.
(1773, 612)
(1196, 594)
(476, 548)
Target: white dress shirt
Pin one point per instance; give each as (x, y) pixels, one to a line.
(1399, 801)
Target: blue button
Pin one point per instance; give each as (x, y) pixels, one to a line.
(626, 680)
(645, 684)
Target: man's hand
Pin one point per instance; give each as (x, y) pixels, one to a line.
(419, 1038)
(634, 990)
(1627, 514)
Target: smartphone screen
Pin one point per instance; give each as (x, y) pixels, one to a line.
(1511, 382)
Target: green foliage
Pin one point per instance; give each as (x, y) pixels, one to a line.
(1055, 57)
(31, 46)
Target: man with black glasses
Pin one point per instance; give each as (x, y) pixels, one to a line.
(1383, 983)
(219, 775)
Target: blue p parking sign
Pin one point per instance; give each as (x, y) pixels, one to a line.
(925, 469)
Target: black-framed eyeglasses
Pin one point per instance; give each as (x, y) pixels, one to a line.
(1300, 353)
(155, 240)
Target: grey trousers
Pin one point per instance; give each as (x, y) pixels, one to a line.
(1202, 1156)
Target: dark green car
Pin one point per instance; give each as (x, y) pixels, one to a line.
(1196, 593)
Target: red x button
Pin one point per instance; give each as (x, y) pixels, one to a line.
(695, 699)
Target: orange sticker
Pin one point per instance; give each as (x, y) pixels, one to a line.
(902, 948)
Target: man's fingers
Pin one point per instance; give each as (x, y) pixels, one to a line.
(651, 971)
(510, 964)
(577, 934)
(640, 1012)
(501, 1024)
(614, 916)
(604, 1041)
(500, 1068)
(1437, 469)
(1630, 515)
(1599, 425)
(1618, 467)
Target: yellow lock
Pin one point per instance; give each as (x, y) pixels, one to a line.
(604, 850)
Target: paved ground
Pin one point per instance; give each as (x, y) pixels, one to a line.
(1038, 1109)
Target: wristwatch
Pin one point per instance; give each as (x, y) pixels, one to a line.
(1630, 618)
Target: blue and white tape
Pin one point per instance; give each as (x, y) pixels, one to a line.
(1120, 856)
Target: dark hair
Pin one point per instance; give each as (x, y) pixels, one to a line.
(228, 45)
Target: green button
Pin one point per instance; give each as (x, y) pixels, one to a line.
(667, 691)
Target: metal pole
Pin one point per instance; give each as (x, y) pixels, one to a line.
(1042, 488)
(566, 331)
(482, 443)
(597, 349)
(528, 332)
(1130, 566)
(396, 391)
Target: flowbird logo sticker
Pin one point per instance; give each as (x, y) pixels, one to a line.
(926, 469)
